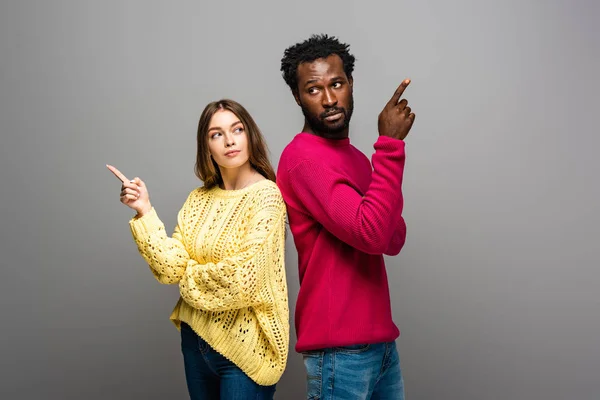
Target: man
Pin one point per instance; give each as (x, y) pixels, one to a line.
(343, 216)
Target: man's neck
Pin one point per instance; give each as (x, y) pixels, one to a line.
(333, 136)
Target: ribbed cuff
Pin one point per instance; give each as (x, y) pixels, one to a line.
(145, 225)
(389, 144)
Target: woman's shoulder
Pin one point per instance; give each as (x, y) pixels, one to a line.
(195, 197)
(266, 192)
(265, 187)
(197, 192)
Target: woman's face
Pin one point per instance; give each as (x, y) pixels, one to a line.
(227, 140)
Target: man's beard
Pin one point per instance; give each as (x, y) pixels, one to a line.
(319, 126)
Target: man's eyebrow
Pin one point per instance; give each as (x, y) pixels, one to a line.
(315, 80)
(310, 81)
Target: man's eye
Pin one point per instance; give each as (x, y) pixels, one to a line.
(312, 90)
(337, 85)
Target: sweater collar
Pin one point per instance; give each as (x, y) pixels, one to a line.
(329, 142)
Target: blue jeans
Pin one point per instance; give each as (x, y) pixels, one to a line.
(209, 375)
(360, 372)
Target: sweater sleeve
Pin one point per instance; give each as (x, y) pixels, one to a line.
(398, 239)
(166, 256)
(239, 280)
(367, 223)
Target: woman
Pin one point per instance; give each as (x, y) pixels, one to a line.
(227, 255)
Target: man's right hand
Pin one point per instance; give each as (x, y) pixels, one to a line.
(396, 119)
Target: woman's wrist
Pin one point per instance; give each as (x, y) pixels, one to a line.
(143, 211)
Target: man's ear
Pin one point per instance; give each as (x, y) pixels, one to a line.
(351, 82)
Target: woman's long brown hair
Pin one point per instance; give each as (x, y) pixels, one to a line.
(206, 168)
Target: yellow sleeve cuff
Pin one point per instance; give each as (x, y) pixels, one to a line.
(143, 226)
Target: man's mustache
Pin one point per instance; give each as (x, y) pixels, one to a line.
(331, 112)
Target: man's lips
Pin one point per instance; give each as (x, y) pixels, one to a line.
(334, 116)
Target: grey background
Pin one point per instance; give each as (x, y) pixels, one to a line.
(496, 291)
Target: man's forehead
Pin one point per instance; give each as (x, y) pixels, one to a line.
(321, 66)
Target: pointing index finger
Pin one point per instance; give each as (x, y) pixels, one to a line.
(396, 97)
(117, 173)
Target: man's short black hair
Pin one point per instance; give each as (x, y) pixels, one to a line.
(317, 46)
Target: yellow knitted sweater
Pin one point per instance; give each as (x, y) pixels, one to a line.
(227, 255)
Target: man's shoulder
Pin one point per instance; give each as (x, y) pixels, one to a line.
(356, 152)
(297, 151)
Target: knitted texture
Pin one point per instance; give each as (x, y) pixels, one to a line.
(227, 255)
(344, 216)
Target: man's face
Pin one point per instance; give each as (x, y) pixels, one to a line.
(325, 96)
